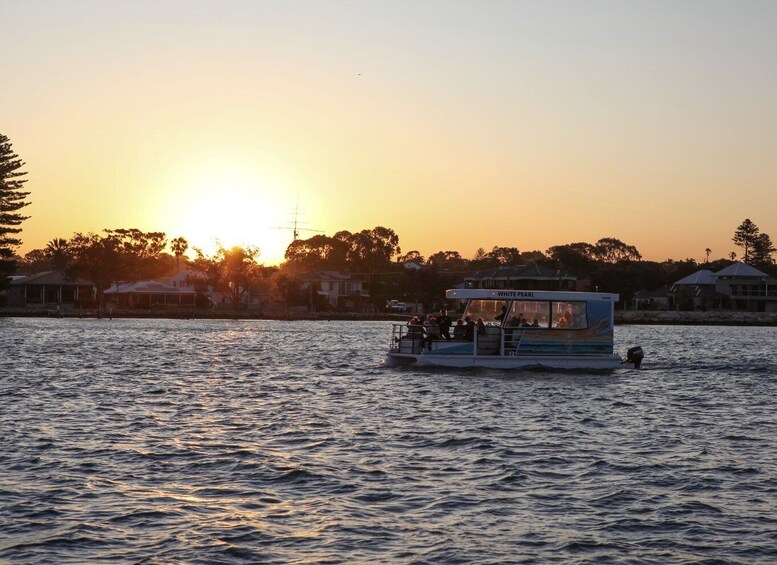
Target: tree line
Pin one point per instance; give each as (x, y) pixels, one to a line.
(374, 255)
(129, 254)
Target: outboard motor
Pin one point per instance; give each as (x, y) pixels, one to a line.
(634, 355)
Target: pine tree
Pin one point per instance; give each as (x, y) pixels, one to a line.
(761, 254)
(745, 236)
(11, 201)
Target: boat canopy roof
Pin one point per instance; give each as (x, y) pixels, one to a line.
(495, 294)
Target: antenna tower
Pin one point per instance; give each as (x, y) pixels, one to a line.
(294, 226)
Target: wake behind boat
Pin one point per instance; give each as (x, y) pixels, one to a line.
(518, 329)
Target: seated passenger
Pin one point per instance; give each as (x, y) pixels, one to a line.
(481, 326)
(432, 330)
(535, 323)
(414, 328)
(459, 331)
(516, 322)
(565, 321)
(469, 328)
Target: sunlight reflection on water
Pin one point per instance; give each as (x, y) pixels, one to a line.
(262, 441)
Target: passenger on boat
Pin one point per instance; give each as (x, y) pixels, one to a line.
(414, 328)
(501, 316)
(514, 322)
(535, 323)
(432, 330)
(481, 326)
(459, 330)
(469, 328)
(564, 321)
(445, 324)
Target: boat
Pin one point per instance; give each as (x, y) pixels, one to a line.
(519, 329)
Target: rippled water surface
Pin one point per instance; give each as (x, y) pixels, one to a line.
(159, 441)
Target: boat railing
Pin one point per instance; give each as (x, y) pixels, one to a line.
(496, 340)
(406, 339)
(511, 339)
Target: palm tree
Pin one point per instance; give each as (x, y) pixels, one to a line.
(179, 246)
(58, 252)
(707, 251)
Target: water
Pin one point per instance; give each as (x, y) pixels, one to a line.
(159, 441)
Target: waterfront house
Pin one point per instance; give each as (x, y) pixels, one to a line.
(334, 291)
(747, 288)
(737, 287)
(253, 299)
(525, 277)
(696, 292)
(651, 299)
(149, 295)
(50, 289)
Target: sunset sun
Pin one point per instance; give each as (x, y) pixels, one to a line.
(228, 208)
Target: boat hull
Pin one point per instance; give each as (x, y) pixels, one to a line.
(589, 362)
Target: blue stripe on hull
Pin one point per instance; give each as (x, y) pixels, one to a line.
(571, 347)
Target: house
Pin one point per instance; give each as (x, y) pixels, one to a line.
(696, 292)
(254, 299)
(737, 287)
(193, 281)
(414, 265)
(150, 294)
(747, 288)
(332, 290)
(525, 277)
(652, 299)
(50, 289)
(186, 279)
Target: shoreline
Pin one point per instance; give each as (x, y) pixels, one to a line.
(622, 317)
(708, 318)
(193, 315)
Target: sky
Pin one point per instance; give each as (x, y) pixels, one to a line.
(457, 124)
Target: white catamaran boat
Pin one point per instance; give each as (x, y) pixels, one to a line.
(519, 329)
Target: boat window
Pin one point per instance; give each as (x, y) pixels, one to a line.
(486, 309)
(569, 315)
(528, 314)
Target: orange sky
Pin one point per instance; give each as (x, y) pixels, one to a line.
(458, 124)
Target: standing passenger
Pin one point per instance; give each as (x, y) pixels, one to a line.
(445, 324)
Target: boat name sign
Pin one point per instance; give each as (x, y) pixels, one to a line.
(515, 294)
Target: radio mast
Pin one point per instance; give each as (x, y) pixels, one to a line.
(295, 225)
